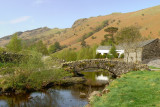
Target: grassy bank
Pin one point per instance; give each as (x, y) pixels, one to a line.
(29, 74)
(137, 88)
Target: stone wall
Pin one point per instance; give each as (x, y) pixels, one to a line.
(115, 67)
(133, 55)
(151, 50)
(10, 57)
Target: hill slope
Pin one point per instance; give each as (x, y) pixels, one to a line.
(147, 19)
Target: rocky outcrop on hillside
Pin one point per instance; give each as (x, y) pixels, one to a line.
(79, 22)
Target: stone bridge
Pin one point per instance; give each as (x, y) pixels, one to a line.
(115, 67)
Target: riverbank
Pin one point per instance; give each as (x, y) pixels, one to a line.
(136, 88)
(24, 82)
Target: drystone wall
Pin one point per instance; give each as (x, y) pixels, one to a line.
(10, 57)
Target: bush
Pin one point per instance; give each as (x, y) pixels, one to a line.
(93, 37)
(104, 56)
(113, 52)
(98, 56)
(109, 56)
(32, 62)
(121, 56)
(68, 55)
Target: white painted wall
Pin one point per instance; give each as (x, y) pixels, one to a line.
(107, 51)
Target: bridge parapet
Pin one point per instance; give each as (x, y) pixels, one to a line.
(115, 67)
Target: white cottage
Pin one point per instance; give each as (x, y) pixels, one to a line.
(105, 50)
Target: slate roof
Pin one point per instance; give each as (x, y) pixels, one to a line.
(144, 43)
(139, 44)
(109, 47)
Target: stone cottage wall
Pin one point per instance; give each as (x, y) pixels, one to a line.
(151, 50)
(133, 55)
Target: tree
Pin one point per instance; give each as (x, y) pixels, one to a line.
(40, 47)
(111, 31)
(113, 51)
(57, 45)
(129, 37)
(15, 44)
(52, 49)
(83, 43)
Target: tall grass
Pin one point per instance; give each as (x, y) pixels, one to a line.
(29, 73)
(72, 55)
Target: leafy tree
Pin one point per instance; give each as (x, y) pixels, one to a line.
(52, 49)
(40, 47)
(129, 37)
(113, 51)
(15, 44)
(57, 45)
(83, 43)
(111, 31)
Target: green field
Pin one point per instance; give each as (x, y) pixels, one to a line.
(134, 89)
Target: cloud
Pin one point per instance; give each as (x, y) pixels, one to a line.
(19, 20)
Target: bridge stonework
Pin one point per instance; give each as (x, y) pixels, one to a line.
(115, 67)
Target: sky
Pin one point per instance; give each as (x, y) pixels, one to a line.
(22, 15)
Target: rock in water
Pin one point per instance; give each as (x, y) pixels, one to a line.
(82, 95)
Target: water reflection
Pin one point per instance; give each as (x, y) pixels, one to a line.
(102, 78)
(96, 78)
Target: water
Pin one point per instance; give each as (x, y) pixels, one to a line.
(68, 96)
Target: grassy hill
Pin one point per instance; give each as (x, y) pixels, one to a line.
(146, 19)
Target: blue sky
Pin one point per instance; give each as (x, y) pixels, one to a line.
(21, 15)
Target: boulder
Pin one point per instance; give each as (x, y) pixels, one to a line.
(82, 95)
(105, 91)
(94, 93)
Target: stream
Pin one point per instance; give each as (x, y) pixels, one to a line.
(60, 96)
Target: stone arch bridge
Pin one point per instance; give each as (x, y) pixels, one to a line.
(115, 67)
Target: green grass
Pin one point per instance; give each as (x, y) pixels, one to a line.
(134, 89)
(33, 80)
(32, 73)
(152, 67)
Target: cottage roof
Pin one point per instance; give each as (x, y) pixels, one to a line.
(118, 47)
(144, 43)
(109, 47)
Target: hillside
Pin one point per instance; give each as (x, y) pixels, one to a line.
(147, 19)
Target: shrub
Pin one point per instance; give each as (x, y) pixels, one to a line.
(93, 37)
(113, 52)
(121, 56)
(109, 56)
(72, 55)
(98, 56)
(104, 56)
